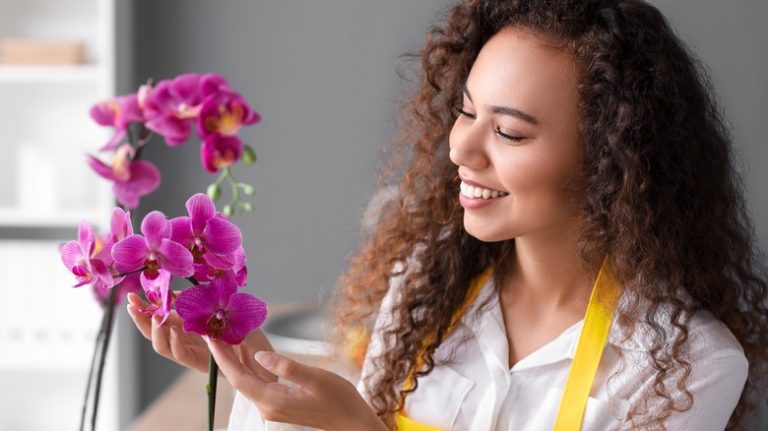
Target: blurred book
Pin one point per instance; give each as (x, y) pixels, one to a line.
(41, 51)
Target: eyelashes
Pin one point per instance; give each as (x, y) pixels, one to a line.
(461, 112)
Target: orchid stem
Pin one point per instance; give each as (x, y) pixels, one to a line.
(123, 274)
(210, 388)
(96, 345)
(110, 310)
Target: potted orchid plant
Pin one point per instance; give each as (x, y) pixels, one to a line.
(204, 246)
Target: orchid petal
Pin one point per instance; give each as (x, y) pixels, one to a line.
(220, 262)
(101, 168)
(174, 258)
(245, 313)
(221, 237)
(144, 179)
(125, 195)
(195, 305)
(120, 225)
(155, 228)
(212, 83)
(71, 252)
(186, 87)
(130, 253)
(201, 209)
(85, 235)
(174, 131)
(181, 231)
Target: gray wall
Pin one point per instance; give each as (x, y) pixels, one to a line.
(322, 75)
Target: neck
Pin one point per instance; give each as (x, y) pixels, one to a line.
(546, 271)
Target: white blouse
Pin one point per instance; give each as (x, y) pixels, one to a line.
(478, 391)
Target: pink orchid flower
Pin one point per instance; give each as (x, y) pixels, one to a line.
(219, 152)
(154, 250)
(120, 227)
(80, 258)
(118, 113)
(173, 105)
(209, 236)
(225, 113)
(158, 295)
(217, 310)
(233, 266)
(133, 178)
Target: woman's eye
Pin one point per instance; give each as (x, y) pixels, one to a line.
(507, 137)
(461, 111)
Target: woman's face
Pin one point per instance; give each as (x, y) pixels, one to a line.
(517, 142)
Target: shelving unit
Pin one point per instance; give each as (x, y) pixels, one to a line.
(47, 334)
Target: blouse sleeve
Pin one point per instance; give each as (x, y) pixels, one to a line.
(716, 384)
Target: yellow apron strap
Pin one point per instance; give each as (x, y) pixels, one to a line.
(404, 423)
(589, 350)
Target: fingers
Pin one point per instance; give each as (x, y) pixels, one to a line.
(160, 338)
(183, 352)
(304, 375)
(246, 357)
(241, 377)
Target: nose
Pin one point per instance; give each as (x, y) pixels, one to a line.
(467, 146)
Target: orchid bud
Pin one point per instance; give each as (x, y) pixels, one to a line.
(228, 210)
(214, 191)
(248, 189)
(249, 155)
(247, 206)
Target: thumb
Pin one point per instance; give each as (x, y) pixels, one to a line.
(289, 369)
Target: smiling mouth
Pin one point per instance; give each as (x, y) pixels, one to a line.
(474, 192)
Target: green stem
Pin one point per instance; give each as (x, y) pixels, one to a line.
(210, 388)
(110, 309)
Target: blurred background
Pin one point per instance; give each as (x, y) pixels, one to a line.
(322, 74)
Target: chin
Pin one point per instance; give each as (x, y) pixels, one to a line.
(486, 233)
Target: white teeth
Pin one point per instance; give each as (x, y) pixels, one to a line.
(479, 192)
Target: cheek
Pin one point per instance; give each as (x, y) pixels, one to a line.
(540, 178)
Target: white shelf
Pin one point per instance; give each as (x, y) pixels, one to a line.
(53, 217)
(49, 73)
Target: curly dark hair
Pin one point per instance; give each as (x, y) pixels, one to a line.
(663, 199)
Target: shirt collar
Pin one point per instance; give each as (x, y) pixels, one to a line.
(489, 330)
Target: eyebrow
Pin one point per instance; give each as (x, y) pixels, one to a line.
(506, 110)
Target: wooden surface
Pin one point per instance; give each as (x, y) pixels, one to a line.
(183, 406)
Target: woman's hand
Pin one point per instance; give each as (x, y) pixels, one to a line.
(190, 350)
(322, 399)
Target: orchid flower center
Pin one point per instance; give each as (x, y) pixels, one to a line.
(185, 111)
(230, 120)
(224, 158)
(216, 323)
(153, 267)
(197, 252)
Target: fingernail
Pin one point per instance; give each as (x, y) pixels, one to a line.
(266, 359)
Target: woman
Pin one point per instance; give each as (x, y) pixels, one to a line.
(566, 168)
